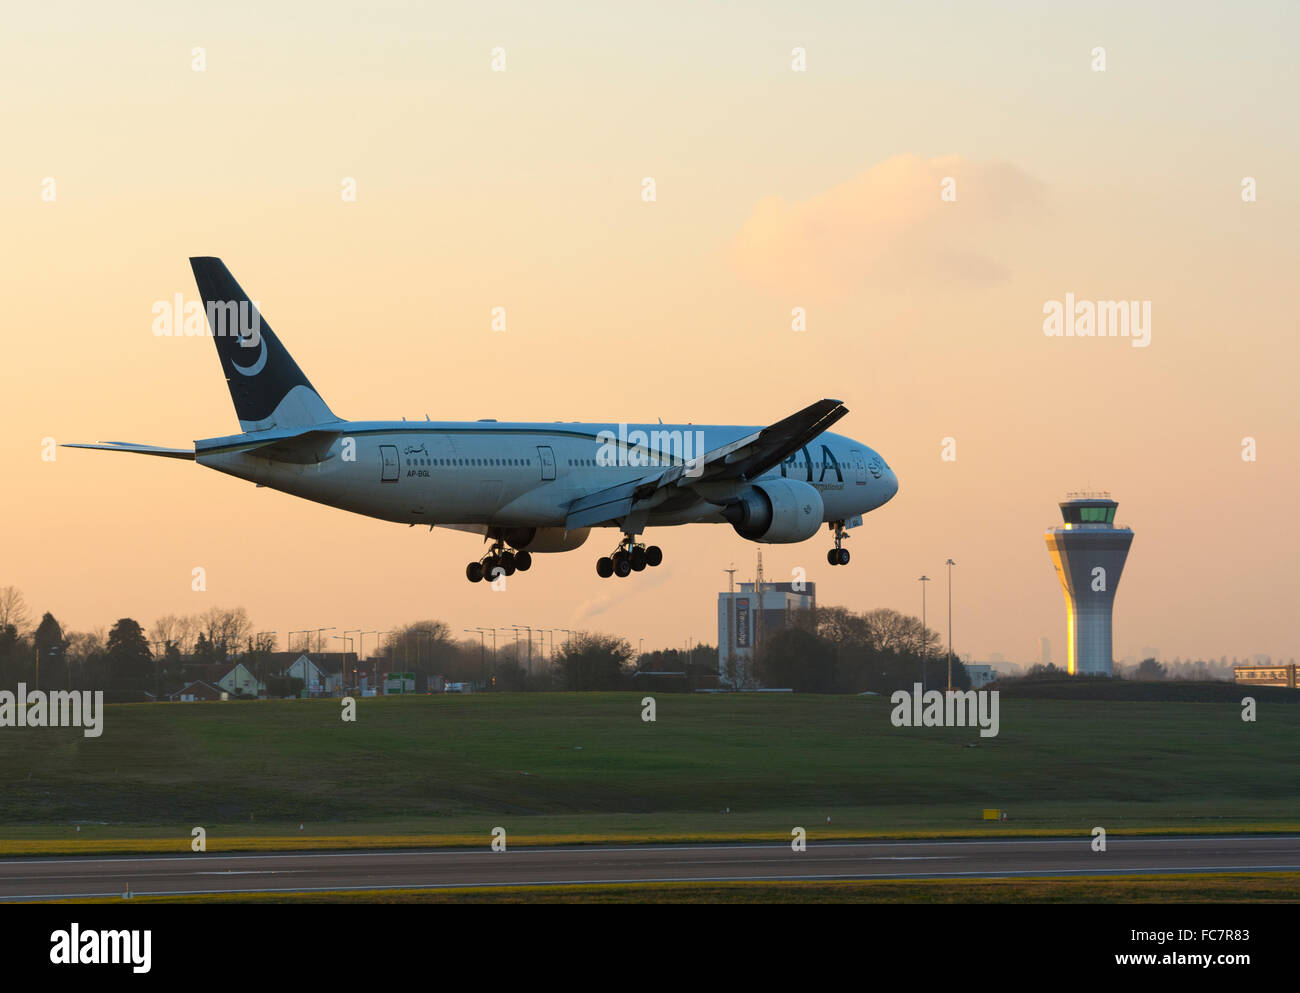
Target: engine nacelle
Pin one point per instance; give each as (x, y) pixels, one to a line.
(776, 511)
(544, 539)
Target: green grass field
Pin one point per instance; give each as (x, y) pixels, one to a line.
(584, 767)
(1216, 888)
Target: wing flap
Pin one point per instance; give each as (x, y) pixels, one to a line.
(608, 504)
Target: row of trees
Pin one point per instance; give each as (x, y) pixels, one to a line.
(129, 662)
(836, 650)
(827, 650)
(120, 664)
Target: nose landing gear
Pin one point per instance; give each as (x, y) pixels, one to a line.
(838, 555)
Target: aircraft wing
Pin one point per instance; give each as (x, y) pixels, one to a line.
(743, 459)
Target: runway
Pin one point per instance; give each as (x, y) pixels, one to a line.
(44, 878)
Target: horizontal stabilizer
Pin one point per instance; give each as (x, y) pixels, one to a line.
(126, 446)
(297, 448)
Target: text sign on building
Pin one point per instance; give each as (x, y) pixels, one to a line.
(742, 623)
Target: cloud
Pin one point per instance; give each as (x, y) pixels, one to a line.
(889, 228)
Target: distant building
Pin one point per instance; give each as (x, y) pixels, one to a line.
(981, 675)
(240, 681)
(743, 620)
(316, 679)
(1266, 675)
(321, 672)
(192, 692)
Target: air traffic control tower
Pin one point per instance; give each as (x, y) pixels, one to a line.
(1088, 551)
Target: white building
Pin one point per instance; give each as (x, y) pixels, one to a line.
(981, 675)
(743, 622)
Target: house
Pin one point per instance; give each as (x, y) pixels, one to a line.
(319, 671)
(197, 690)
(240, 682)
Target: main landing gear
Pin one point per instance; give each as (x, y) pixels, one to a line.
(628, 558)
(498, 558)
(838, 555)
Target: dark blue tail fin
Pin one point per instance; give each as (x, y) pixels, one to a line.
(266, 385)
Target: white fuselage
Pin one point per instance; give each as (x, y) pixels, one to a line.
(485, 473)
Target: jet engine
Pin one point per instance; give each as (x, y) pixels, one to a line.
(776, 511)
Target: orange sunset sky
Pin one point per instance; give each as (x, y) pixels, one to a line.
(775, 189)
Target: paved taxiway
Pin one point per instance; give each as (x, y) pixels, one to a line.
(42, 878)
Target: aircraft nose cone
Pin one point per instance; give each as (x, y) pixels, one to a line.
(889, 482)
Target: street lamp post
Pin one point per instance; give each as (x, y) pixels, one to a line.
(264, 652)
(343, 661)
(482, 650)
(925, 654)
(320, 631)
(379, 639)
(525, 627)
(950, 563)
(361, 643)
(507, 630)
(483, 672)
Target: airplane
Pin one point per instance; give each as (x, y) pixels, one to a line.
(525, 487)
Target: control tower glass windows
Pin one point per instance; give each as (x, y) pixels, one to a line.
(1088, 513)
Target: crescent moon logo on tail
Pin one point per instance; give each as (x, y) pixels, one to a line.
(256, 367)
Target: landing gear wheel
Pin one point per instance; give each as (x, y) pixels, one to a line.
(653, 556)
(622, 566)
(523, 561)
(508, 564)
(838, 555)
(474, 572)
(605, 567)
(638, 559)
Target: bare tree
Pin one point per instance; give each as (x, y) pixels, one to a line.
(13, 608)
(167, 630)
(226, 628)
(84, 644)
